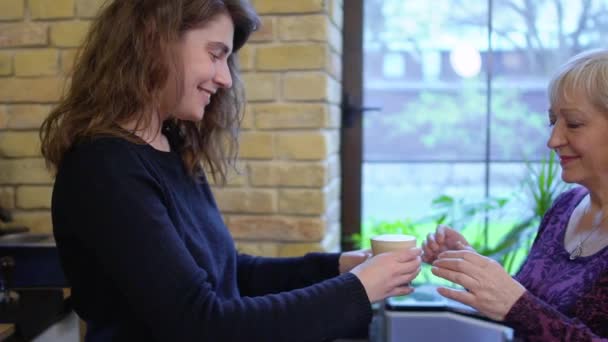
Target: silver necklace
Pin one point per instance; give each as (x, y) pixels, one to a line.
(578, 250)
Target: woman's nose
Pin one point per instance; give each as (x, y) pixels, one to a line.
(557, 138)
(223, 77)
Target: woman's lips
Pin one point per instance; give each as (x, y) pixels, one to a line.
(566, 159)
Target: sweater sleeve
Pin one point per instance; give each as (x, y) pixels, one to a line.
(259, 275)
(536, 320)
(128, 230)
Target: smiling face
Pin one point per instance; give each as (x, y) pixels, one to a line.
(204, 53)
(580, 137)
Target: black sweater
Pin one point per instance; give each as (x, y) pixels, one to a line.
(149, 258)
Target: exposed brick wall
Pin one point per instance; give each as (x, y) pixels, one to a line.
(37, 44)
(284, 202)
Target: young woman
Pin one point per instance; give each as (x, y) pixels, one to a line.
(154, 104)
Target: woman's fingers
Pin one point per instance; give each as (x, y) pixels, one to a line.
(457, 264)
(427, 256)
(440, 234)
(408, 255)
(459, 278)
(400, 291)
(432, 242)
(465, 254)
(407, 278)
(461, 296)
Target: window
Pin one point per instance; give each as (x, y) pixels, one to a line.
(462, 87)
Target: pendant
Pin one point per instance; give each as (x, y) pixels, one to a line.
(576, 252)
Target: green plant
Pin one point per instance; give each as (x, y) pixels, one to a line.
(490, 225)
(476, 220)
(539, 190)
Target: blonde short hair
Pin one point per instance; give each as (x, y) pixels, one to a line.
(586, 72)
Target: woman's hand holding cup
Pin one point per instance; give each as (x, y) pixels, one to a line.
(391, 269)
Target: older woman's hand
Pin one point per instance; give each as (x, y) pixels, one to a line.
(443, 239)
(489, 288)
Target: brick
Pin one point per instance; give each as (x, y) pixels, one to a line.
(335, 117)
(19, 144)
(333, 167)
(276, 228)
(310, 86)
(332, 192)
(236, 176)
(7, 197)
(301, 115)
(88, 8)
(11, 9)
(291, 57)
(334, 37)
(336, 12)
(335, 65)
(248, 118)
(36, 221)
(299, 249)
(56, 9)
(333, 141)
(37, 90)
(303, 28)
(4, 117)
(335, 91)
(288, 174)
(23, 34)
(236, 179)
(245, 57)
(24, 171)
(331, 242)
(34, 197)
(42, 62)
(302, 202)
(6, 63)
(27, 116)
(282, 6)
(246, 200)
(332, 214)
(67, 60)
(69, 33)
(302, 146)
(256, 145)
(261, 86)
(266, 32)
(265, 249)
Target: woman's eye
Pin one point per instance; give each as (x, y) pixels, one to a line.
(574, 125)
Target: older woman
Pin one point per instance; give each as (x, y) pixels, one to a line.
(561, 291)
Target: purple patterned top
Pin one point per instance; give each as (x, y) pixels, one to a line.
(567, 300)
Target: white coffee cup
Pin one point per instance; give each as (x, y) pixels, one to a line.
(391, 243)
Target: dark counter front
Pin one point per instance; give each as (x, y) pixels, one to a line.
(32, 296)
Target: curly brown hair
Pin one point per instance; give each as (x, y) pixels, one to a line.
(124, 64)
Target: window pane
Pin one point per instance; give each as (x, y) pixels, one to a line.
(429, 65)
(427, 71)
(531, 39)
(398, 191)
